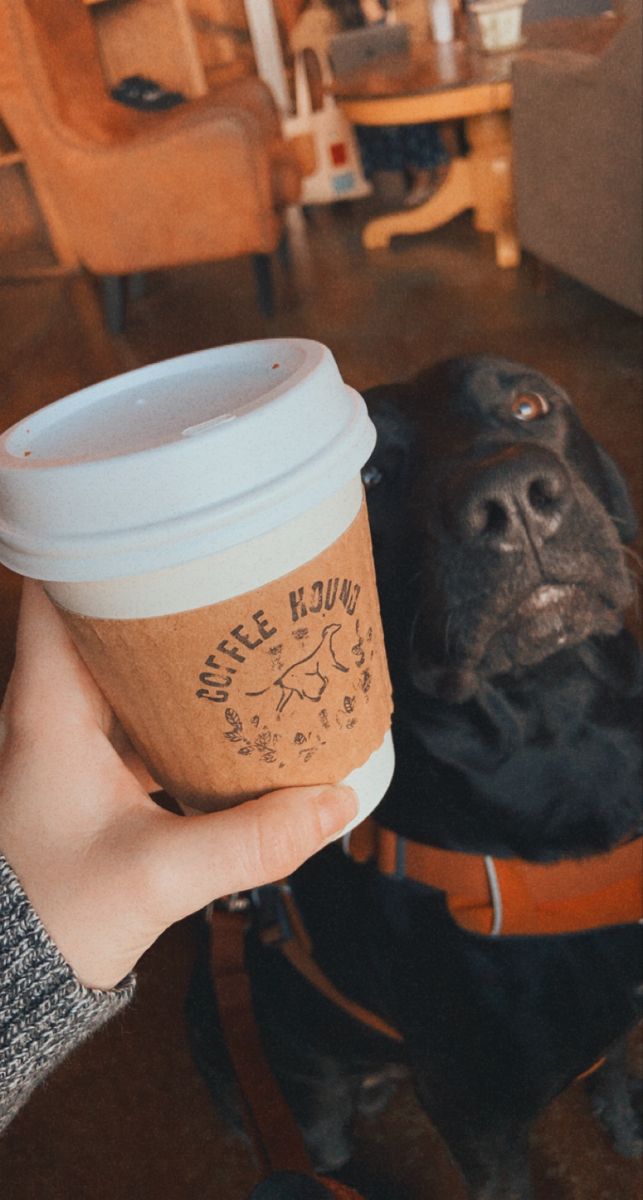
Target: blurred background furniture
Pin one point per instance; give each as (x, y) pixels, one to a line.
(577, 162)
(456, 82)
(124, 192)
(154, 38)
(549, 10)
(188, 45)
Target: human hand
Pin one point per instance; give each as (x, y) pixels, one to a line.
(105, 868)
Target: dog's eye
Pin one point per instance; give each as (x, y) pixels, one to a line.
(371, 476)
(528, 406)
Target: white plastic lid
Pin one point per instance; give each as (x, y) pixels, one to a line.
(187, 457)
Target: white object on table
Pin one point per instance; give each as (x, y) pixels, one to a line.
(266, 45)
(441, 17)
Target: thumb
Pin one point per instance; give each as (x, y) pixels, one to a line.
(209, 856)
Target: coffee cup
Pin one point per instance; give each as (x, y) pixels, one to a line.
(200, 524)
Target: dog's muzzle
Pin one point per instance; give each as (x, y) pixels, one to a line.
(516, 495)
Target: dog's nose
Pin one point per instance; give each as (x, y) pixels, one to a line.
(515, 495)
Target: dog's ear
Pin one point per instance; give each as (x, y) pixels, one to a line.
(617, 498)
(389, 462)
(386, 478)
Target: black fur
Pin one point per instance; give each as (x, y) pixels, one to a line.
(499, 552)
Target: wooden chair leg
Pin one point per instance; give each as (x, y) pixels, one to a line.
(265, 287)
(541, 275)
(136, 286)
(283, 252)
(113, 289)
(290, 1185)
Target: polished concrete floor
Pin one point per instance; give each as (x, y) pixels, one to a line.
(127, 1116)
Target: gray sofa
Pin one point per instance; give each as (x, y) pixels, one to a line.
(577, 133)
(548, 10)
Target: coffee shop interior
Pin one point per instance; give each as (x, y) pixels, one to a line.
(177, 175)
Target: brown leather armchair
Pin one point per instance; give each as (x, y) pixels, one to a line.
(129, 191)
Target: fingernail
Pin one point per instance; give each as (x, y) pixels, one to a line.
(336, 807)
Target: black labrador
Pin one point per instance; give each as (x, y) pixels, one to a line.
(499, 529)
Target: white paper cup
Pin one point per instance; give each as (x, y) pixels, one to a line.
(200, 524)
(499, 24)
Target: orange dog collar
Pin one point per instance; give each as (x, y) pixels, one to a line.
(496, 896)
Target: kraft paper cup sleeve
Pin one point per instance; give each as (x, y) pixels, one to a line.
(285, 685)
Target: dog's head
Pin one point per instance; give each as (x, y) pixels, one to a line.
(498, 523)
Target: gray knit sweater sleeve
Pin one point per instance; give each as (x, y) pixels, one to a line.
(44, 1010)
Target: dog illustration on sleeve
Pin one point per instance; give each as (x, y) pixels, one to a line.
(308, 678)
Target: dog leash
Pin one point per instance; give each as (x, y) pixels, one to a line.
(275, 1135)
(295, 945)
(487, 896)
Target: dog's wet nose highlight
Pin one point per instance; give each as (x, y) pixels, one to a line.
(510, 500)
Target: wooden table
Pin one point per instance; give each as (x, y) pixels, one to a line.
(455, 82)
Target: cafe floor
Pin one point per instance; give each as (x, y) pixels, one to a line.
(127, 1116)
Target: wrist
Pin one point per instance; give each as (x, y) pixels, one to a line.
(45, 1010)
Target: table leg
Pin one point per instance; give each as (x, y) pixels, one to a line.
(455, 195)
(481, 181)
(489, 137)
